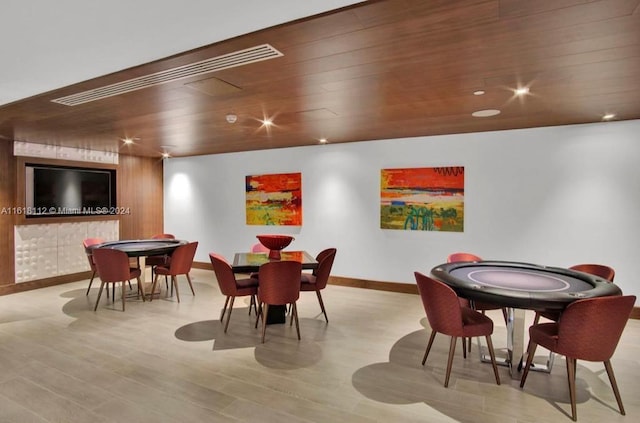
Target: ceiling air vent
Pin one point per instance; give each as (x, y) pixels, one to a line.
(226, 61)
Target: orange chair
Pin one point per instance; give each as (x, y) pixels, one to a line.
(446, 316)
(317, 280)
(87, 243)
(180, 264)
(232, 287)
(588, 330)
(279, 285)
(113, 267)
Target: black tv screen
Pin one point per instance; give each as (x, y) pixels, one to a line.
(69, 191)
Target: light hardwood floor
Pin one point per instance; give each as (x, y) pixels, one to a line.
(168, 362)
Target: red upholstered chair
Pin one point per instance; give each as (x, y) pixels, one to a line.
(232, 287)
(446, 316)
(161, 260)
(259, 248)
(87, 243)
(180, 264)
(588, 330)
(605, 272)
(279, 285)
(113, 267)
(477, 305)
(317, 281)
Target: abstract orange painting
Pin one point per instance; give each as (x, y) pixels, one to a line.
(274, 199)
(422, 199)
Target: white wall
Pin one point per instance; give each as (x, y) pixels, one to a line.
(555, 196)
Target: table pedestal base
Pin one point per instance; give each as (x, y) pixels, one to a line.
(277, 314)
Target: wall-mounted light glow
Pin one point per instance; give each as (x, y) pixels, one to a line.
(521, 91)
(479, 92)
(608, 116)
(165, 155)
(322, 140)
(267, 122)
(127, 141)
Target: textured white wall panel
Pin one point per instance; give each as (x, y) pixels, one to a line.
(44, 251)
(71, 255)
(36, 252)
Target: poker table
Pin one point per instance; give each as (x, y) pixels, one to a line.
(519, 287)
(140, 249)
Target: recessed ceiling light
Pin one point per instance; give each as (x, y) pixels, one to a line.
(267, 122)
(485, 113)
(478, 92)
(127, 141)
(608, 116)
(522, 90)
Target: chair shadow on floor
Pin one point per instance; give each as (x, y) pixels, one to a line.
(283, 351)
(406, 381)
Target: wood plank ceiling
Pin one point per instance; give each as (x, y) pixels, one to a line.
(378, 70)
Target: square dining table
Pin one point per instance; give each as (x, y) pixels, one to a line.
(251, 262)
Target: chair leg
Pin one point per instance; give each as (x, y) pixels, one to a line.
(536, 319)
(99, 294)
(322, 305)
(224, 309)
(252, 303)
(571, 375)
(493, 358)
(614, 385)
(426, 353)
(153, 287)
(226, 325)
(140, 290)
(464, 347)
(93, 275)
(174, 283)
(294, 314)
(258, 314)
(531, 350)
(123, 293)
(190, 285)
(265, 310)
(130, 287)
(452, 349)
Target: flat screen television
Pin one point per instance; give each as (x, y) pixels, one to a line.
(55, 191)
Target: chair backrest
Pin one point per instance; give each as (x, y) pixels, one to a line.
(182, 259)
(441, 305)
(112, 265)
(87, 242)
(279, 282)
(325, 262)
(605, 272)
(224, 274)
(590, 329)
(163, 236)
(456, 257)
(259, 248)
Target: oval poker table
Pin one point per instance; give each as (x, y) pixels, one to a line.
(522, 285)
(141, 247)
